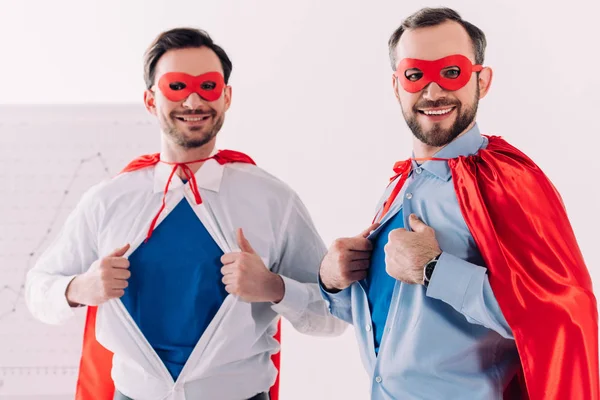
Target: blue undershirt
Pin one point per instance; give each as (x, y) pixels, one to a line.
(175, 288)
(380, 285)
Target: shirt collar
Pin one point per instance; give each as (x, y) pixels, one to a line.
(208, 176)
(467, 144)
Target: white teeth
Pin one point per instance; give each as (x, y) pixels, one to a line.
(438, 112)
(194, 119)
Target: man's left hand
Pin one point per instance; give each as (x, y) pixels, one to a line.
(245, 275)
(406, 253)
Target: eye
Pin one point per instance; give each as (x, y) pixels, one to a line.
(208, 85)
(451, 72)
(413, 75)
(177, 85)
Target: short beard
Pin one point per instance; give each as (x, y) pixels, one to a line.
(169, 128)
(436, 136)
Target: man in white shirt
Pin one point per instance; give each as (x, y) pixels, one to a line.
(191, 255)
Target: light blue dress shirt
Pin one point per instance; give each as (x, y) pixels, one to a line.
(449, 340)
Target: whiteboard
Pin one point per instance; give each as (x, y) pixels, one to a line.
(49, 155)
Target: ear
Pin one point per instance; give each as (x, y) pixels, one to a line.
(149, 101)
(485, 81)
(227, 92)
(395, 86)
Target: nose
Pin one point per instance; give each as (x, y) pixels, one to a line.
(193, 102)
(433, 92)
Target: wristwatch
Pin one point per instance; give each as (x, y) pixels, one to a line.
(428, 270)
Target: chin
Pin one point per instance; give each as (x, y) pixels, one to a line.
(444, 125)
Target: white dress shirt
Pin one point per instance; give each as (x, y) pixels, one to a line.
(232, 358)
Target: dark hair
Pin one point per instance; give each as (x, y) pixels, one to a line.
(181, 38)
(436, 16)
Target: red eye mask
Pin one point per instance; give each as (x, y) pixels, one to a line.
(451, 73)
(177, 86)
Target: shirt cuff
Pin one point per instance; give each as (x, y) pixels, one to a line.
(451, 278)
(335, 298)
(295, 298)
(58, 293)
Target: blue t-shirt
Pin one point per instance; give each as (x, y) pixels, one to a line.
(175, 287)
(380, 286)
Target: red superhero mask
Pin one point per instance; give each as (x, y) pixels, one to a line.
(451, 73)
(177, 86)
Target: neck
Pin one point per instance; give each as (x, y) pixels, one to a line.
(174, 153)
(422, 150)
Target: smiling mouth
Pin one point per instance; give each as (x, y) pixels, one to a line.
(194, 119)
(439, 111)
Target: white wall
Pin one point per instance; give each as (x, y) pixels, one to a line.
(313, 104)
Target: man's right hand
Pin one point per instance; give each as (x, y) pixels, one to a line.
(347, 261)
(106, 279)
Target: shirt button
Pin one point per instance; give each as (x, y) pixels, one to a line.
(419, 170)
(378, 379)
(368, 328)
(409, 196)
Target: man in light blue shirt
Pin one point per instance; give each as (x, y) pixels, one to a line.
(416, 288)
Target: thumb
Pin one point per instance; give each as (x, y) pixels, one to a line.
(368, 231)
(416, 224)
(243, 243)
(120, 252)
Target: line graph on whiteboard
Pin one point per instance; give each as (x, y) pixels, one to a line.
(46, 233)
(43, 174)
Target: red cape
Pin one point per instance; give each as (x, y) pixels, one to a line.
(536, 271)
(535, 268)
(94, 381)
